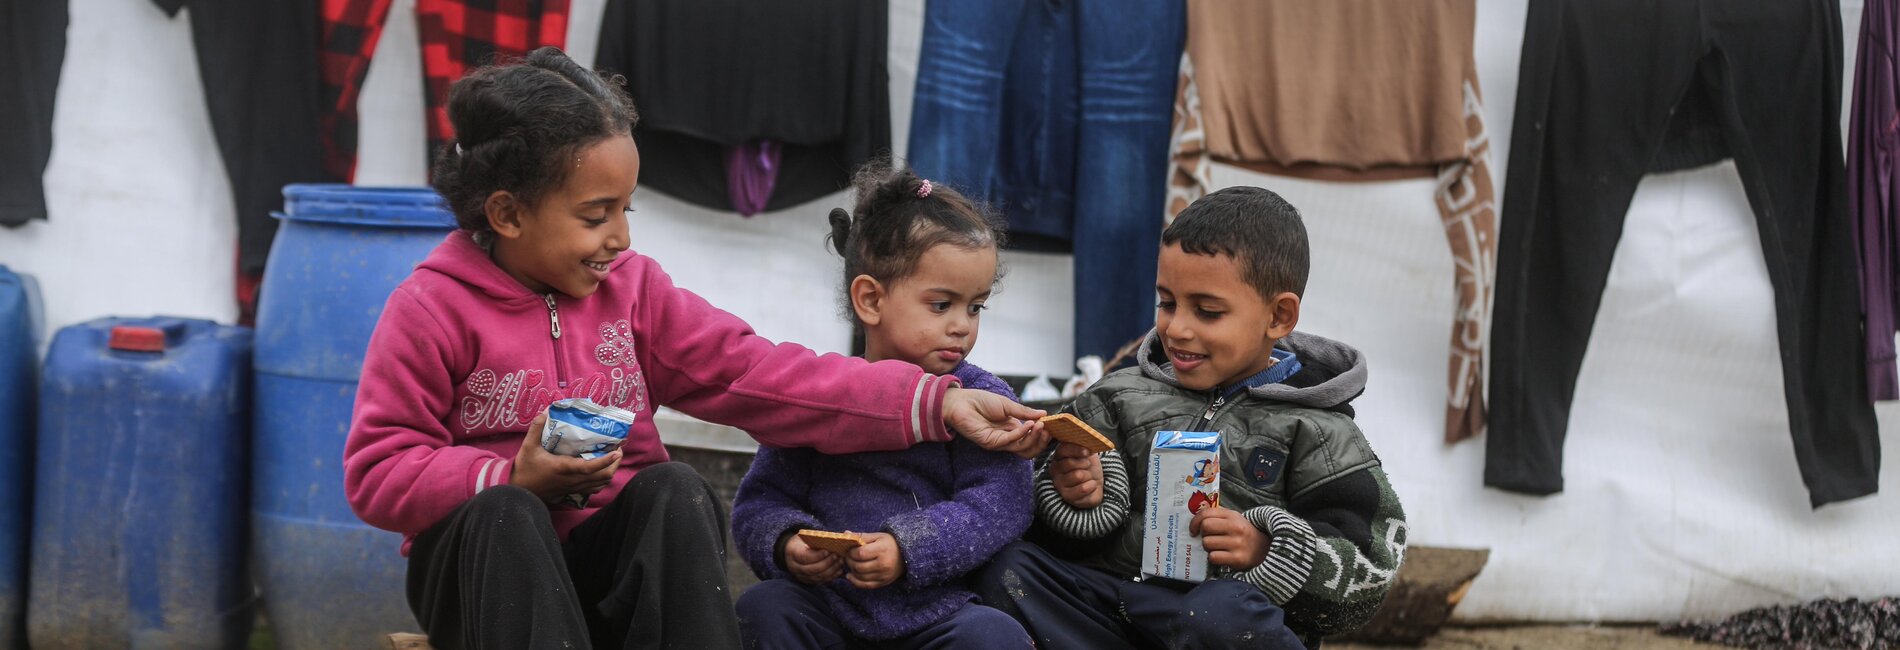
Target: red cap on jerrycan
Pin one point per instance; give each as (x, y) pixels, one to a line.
(137, 339)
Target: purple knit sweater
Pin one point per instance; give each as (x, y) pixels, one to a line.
(951, 505)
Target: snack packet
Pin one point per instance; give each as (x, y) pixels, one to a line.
(580, 428)
(1183, 479)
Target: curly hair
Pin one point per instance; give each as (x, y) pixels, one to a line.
(514, 125)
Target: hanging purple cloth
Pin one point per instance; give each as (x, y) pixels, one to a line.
(1873, 199)
(751, 172)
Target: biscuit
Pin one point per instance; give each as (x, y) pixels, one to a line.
(1072, 430)
(839, 543)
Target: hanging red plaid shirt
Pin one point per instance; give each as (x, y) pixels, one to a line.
(456, 36)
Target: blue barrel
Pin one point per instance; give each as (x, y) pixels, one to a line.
(329, 580)
(138, 510)
(19, 390)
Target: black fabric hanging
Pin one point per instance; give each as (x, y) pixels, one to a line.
(1612, 90)
(32, 48)
(710, 75)
(258, 63)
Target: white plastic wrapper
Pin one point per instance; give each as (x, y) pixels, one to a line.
(580, 428)
(1088, 371)
(1040, 389)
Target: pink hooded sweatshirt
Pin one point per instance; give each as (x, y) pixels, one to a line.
(465, 357)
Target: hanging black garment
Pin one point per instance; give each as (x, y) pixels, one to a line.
(1611, 90)
(710, 75)
(32, 48)
(258, 63)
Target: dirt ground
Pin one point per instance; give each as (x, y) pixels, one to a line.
(1541, 637)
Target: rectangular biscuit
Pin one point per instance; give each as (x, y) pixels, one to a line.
(1072, 430)
(839, 543)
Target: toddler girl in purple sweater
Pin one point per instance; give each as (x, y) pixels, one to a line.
(920, 261)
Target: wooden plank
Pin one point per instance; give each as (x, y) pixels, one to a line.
(1429, 586)
(407, 641)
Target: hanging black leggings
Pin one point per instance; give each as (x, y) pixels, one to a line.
(32, 47)
(1613, 89)
(259, 63)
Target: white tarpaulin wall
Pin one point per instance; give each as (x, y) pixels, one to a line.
(1682, 496)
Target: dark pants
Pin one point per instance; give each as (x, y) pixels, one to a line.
(1059, 113)
(647, 571)
(32, 49)
(258, 62)
(1066, 605)
(1613, 89)
(783, 614)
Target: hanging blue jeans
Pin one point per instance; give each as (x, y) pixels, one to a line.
(1058, 113)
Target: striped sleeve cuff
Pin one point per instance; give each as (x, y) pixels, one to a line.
(1086, 523)
(491, 472)
(1290, 554)
(926, 409)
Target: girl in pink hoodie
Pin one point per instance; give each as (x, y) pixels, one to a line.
(536, 299)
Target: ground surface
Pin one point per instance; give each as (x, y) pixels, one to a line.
(1541, 637)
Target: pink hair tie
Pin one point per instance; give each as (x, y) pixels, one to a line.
(923, 191)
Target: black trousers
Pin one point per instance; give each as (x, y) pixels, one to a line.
(1613, 89)
(647, 571)
(258, 62)
(32, 48)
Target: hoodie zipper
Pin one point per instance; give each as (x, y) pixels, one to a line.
(554, 329)
(1213, 408)
(1220, 399)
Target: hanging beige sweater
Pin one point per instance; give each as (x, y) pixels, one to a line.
(1352, 90)
(1338, 89)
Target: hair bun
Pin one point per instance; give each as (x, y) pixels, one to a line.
(840, 229)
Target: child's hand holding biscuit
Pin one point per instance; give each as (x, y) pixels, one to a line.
(812, 566)
(995, 422)
(875, 564)
(1077, 474)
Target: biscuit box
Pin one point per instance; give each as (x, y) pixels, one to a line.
(1183, 479)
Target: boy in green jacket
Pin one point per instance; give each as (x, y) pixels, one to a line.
(1308, 534)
